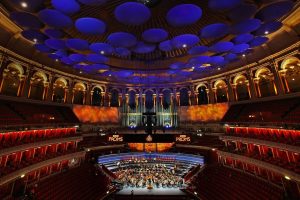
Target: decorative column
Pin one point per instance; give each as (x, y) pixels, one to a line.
(196, 98)
(4, 75)
(211, 93)
(88, 95)
(251, 85)
(84, 93)
(282, 75)
(70, 93)
(51, 87)
(120, 102)
(154, 102)
(234, 90)
(278, 85)
(102, 98)
(45, 90)
(91, 96)
(257, 88)
(109, 99)
(29, 90)
(21, 83)
(27, 83)
(214, 91)
(190, 102)
(248, 89)
(178, 98)
(230, 93)
(144, 102)
(66, 91)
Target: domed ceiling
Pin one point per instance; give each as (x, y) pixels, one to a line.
(147, 41)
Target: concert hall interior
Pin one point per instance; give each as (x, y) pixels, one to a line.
(149, 99)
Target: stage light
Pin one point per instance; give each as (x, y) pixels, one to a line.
(80, 72)
(266, 32)
(22, 176)
(24, 4)
(184, 45)
(244, 55)
(287, 178)
(195, 193)
(213, 149)
(102, 52)
(34, 40)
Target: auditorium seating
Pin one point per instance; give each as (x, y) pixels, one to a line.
(222, 183)
(284, 111)
(79, 183)
(19, 113)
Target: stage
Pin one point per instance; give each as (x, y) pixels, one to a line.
(152, 192)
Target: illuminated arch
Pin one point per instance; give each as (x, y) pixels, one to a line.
(201, 85)
(286, 63)
(16, 67)
(219, 82)
(102, 88)
(238, 78)
(80, 86)
(261, 71)
(61, 82)
(40, 75)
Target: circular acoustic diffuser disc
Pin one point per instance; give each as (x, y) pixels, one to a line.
(122, 39)
(274, 11)
(198, 50)
(54, 33)
(165, 46)
(177, 65)
(96, 58)
(33, 5)
(68, 7)
(214, 30)
(67, 61)
(102, 48)
(77, 44)
(123, 52)
(268, 28)
(155, 35)
(183, 15)
(93, 2)
(34, 36)
(242, 12)
(43, 48)
(243, 38)
(90, 26)
(76, 57)
(55, 18)
(26, 20)
(240, 48)
(142, 47)
(185, 41)
(56, 44)
(216, 60)
(230, 57)
(223, 4)
(132, 13)
(61, 53)
(220, 47)
(199, 60)
(257, 41)
(246, 26)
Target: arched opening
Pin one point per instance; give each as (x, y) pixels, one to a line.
(184, 97)
(37, 87)
(149, 100)
(97, 96)
(132, 103)
(59, 88)
(166, 99)
(221, 91)
(202, 95)
(114, 101)
(79, 93)
(266, 85)
(242, 88)
(291, 69)
(11, 80)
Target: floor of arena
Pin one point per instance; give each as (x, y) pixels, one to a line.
(152, 192)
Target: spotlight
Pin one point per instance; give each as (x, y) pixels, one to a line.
(22, 176)
(34, 40)
(184, 45)
(219, 68)
(286, 177)
(80, 72)
(244, 55)
(266, 32)
(195, 193)
(24, 4)
(102, 52)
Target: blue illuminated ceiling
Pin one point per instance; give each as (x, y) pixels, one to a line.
(110, 38)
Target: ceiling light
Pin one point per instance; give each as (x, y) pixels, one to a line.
(244, 55)
(24, 4)
(22, 176)
(266, 32)
(80, 72)
(56, 60)
(219, 68)
(286, 177)
(293, 79)
(193, 67)
(102, 52)
(34, 40)
(195, 193)
(109, 75)
(184, 45)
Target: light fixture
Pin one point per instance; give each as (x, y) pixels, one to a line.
(193, 68)
(184, 45)
(244, 55)
(34, 40)
(195, 193)
(109, 75)
(22, 176)
(24, 4)
(80, 72)
(287, 178)
(56, 60)
(219, 68)
(293, 79)
(102, 52)
(266, 32)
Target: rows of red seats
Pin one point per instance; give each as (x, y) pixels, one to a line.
(284, 111)
(222, 183)
(83, 182)
(9, 139)
(291, 137)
